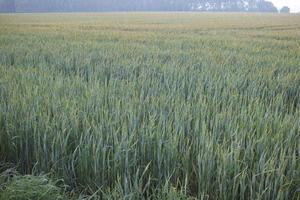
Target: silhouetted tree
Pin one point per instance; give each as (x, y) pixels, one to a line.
(285, 9)
(266, 6)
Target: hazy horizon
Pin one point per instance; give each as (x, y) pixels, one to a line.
(146, 5)
(294, 5)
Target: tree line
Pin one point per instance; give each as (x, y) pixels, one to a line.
(135, 5)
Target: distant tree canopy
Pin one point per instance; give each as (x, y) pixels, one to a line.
(135, 5)
(285, 9)
(7, 6)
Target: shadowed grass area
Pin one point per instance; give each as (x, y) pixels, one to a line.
(153, 105)
(14, 186)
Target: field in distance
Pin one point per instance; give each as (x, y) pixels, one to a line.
(151, 105)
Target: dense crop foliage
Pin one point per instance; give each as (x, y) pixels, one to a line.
(161, 106)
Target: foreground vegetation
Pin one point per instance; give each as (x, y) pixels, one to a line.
(151, 106)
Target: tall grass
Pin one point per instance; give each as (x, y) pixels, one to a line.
(158, 106)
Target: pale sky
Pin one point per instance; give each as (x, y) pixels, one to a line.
(294, 5)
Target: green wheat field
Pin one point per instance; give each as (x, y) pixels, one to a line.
(150, 106)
